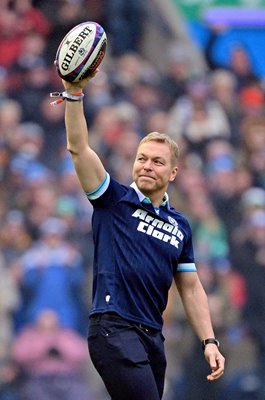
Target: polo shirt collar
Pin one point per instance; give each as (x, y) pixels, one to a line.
(144, 199)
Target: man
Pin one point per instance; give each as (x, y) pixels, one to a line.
(141, 244)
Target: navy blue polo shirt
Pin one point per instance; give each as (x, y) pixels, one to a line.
(138, 250)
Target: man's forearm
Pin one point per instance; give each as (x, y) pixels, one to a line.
(197, 310)
(76, 127)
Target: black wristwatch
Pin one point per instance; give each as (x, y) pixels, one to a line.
(210, 340)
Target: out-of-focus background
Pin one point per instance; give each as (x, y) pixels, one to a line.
(194, 69)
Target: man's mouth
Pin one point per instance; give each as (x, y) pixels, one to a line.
(147, 177)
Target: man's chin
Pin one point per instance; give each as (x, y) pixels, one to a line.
(145, 187)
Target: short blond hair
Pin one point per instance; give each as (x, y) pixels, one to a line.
(163, 138)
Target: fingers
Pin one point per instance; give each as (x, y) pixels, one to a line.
(93, 74)
(217, 364)
(215, 374)
(81, 84)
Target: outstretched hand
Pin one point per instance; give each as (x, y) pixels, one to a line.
(215, 360)
(78, 86)
(73, 90)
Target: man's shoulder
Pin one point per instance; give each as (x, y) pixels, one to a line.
(112, 193)
(178, 216)
(172, 210)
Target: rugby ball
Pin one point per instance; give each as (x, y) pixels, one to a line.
(81, 51)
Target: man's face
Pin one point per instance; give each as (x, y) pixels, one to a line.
(152, 169)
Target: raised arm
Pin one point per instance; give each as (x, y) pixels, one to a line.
(88, 165)
(195, 303)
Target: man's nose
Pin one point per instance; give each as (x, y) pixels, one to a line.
(148, 165)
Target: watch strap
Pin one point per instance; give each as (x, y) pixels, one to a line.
(208, 341)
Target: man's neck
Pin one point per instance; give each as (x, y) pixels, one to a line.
(156, 199)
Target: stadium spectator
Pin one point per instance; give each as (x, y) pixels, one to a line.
(15, 237)
(197, 117)
(177, 74)
(249, 259)
(253, 147)
(223, 89)
(210, 236)
(32, 18)
(9, 302)
(10, 39)
(9, 375)
(51, 276)
(126, 27)
(52, 360)
(239, 61)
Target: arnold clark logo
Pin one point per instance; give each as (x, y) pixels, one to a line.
(164, 231)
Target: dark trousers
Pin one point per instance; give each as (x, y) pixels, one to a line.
(129, 358)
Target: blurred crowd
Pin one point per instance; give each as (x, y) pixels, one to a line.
(218, 120)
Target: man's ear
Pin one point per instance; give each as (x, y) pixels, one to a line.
(174, 173)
